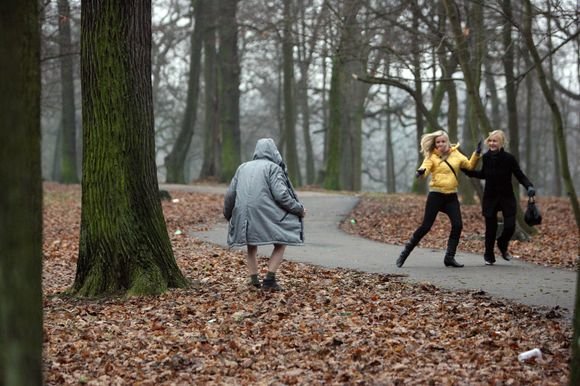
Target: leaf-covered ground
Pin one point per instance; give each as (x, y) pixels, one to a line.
(330, 326)
(393, 219)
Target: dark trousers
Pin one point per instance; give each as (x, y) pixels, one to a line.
(509, 227)
(440, 202)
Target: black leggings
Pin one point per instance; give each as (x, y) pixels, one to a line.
(509, 227)
(440, 202)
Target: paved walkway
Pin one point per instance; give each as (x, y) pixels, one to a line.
(328, 246)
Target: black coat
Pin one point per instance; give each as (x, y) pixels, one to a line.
(497, 170)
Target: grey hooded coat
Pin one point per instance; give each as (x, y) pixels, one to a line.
(260, 202)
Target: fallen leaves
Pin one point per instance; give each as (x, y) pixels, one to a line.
(330, 326)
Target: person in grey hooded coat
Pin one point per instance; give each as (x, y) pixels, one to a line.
(262, 208)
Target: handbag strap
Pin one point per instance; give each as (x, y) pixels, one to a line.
(451, 167)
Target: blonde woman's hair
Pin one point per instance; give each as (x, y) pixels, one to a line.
(428, 142)
(501, 136)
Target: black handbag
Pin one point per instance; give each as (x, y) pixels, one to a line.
(533, 216)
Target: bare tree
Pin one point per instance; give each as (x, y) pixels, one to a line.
(175, 160)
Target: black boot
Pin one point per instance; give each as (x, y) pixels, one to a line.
(411, 244)
(449, 260)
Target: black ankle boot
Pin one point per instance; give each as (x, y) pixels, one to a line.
(406, 251)
(449, 259)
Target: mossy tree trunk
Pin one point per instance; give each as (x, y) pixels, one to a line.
(20, 196)
(124, 246)
(229, 88)
(175, 160)
(68, 171)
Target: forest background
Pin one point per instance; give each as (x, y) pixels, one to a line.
(227, 73)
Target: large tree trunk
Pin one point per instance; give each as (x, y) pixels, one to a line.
(175, 160)
(289, 96)
(124, 246)
(344, 161)
(229, 92)
(68, 157)
(20, 196)
(211, 145)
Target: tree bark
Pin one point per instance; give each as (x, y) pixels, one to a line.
(344, 164)
(229, 93)
(211, 147)
(289, 96)
(462, 53)
(20, 196)
(68, 172)
(175, 160)
(124, 246)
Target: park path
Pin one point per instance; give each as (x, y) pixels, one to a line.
(328, 246)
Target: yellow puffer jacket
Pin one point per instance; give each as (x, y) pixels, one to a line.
(442, 178)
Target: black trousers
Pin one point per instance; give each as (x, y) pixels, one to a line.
(440, 202)
(509, 227)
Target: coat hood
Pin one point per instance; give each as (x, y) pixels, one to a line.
(266, 149)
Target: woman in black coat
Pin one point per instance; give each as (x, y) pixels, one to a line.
(497, 169)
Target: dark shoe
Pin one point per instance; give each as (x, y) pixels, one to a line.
(489, 260)
(411, 244)
(271, 285)
(506, 255)
(449, 259)
(402, 257)
(450, 262)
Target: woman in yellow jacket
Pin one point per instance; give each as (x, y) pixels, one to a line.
(443, 162)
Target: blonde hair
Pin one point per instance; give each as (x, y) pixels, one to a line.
(428, 142)
(501, 137)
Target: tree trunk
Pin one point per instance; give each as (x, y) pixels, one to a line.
(289, 96)
(420, 184)
(306, 53)
(461, 50)
(20, 196)
(391, 183)
(557, 181)
(352, 53)
(229, 93)
(175, 160)
(68, 173)
(124, 246)
(332, 168)
(211, 147)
